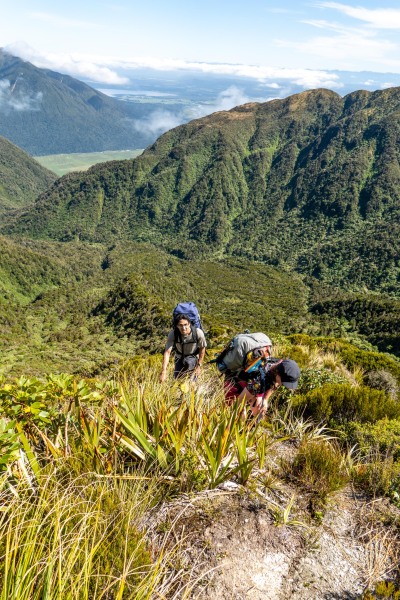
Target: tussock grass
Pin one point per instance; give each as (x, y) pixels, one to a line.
(320, 466)
(79, 537)
(90, 462)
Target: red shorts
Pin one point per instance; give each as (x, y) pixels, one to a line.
(233, 389)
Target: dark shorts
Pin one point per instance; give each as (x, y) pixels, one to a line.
(185, 365)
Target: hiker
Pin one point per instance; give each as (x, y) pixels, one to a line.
(189, 344)
(257, 387)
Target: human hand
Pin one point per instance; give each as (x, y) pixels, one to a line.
(257, 407)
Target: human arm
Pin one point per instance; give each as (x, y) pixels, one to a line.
(202, 352)
(166, 357)
(259, 403)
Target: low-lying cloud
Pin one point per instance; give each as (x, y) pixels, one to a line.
(160, 121)
(157, 123)
(12, 98)
(106, 69)
(227, 99)
(76, 66)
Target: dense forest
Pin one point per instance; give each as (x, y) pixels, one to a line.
(21, 178)
(309, 183)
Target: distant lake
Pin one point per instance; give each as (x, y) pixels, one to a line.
(130, 92)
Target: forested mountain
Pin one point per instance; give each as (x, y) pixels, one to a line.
(309, 183)
(84, 305)
(223, 212)
(45, 112)
(22, 178)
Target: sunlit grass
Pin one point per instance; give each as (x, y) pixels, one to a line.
(88, 463)
(79, 537)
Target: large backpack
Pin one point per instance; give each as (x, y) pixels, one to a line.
(244, 352)
(187, 309)
(190, 311)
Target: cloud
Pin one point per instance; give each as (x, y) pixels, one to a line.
(378, 18)
(259, 72)
(13, 98)
(345, 47)
(273, 86)
(103, 69)
(349, 51)
(227, 99)
(162, 120)
(157, 123)
(69, 64)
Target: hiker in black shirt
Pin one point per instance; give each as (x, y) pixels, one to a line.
(259, 386)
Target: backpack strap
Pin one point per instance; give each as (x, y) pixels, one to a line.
(179, 339)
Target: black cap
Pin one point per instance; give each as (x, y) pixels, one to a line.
(289, 371)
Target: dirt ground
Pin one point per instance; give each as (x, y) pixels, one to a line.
(240, 548)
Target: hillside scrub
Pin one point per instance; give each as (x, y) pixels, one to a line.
(124, 448)
(32, 179)
(308, 183)
(84, 308)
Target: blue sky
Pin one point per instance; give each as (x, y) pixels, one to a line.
(96, 39)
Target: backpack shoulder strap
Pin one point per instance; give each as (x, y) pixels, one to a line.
(179, 339)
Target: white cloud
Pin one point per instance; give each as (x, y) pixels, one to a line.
(104, 69)
(69, 64)
(343, 47)
(225, 100)
(157, 122)
(258, 72)
(12, 97)
(379, 18)
(229, 98)
(273, 86)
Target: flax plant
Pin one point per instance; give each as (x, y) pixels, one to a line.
(282, 514)
(246, 440)
(217, 445)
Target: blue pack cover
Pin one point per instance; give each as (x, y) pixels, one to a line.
(189, 309)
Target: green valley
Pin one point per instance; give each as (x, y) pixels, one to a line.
(65, 163)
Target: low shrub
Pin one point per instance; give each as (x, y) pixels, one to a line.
(384, 590)
(337, 404)
(384, 436)
(311, 379)
(378, 475)
(383, 380)
(320, 467)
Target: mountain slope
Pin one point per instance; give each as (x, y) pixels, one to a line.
(45, 112)
(22, 178)
(309, 183)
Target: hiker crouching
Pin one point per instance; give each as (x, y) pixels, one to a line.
(259, 387)
(189, 345)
